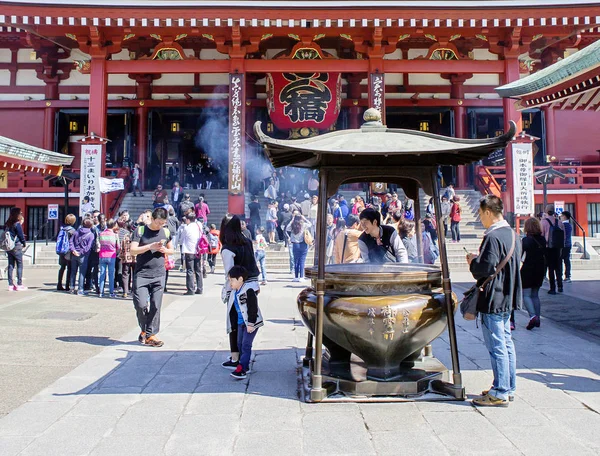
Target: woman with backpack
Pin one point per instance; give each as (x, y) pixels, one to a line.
(14, 231)
(81, 243)
(109, 246)
(64, 252)
(455, 218)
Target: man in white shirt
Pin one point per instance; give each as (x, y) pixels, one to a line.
(190, 235)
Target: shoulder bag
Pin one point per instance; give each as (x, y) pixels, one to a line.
(468, 304)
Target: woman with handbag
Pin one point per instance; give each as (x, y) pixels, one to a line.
(301, 240)
(533, 269)
(455, 218)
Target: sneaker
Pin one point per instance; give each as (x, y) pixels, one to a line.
(537, 321)
(12, 288)
(264, 282)
(487, 400)
(511, 397)
(531, 323)
(198, 291)
(153, 341)
(229, 364)
(113, 295)
(101, 295)
(567, 280)
(239, 373)
(512, 326)
(124, 295)
(188, 293)
(20, 288)
(551, 292)
(82, 293)
(560, 290)
(142, 338)
(180, 269)
(295, 279)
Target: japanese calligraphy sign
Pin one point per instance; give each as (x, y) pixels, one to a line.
(91, 167)
(236, 131)
(4, 179)
(296, 100)
(523, 178)
(377, 93)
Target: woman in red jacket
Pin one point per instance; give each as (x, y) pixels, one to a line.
(455, 212)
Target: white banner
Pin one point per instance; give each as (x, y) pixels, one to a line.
(524, 203)
(91, 167)
(111, 185)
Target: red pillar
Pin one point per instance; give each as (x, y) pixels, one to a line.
(550, 132)
(142, 142)
(49, 119)
(354, 93)
(97, 111)
(457, 92)
(98, 97)
(511, 73)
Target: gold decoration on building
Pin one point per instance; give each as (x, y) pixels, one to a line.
(70, 35)
(318, 36)
(443, 54)
(266, 36)
(180, 36)
(83, 66)
(481, 37)
(430, 36)
(208, 36)
(403, 37)
(303, 132)
(156, 36)
(345, 36)
(294, 36)
(128, 36)
(168, 54)
(455, 37)
(306, 54)
(537, 37)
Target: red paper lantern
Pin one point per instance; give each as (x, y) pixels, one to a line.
(297, 100)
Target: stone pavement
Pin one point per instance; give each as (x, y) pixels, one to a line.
(178, 400)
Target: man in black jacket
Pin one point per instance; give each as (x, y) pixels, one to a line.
(379, 243)
(498, 299)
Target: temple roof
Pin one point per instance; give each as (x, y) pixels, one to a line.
(375, 144)
(15, 155)
(575, 65)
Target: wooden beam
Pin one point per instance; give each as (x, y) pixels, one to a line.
(593, 100)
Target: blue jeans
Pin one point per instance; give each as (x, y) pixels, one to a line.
(498, 341)
(300, 251)
(107, 263)
(79, 262)
(260, 258)
(532, 302)
(244, 341)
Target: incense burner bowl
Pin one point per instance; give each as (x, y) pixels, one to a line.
(384, 314)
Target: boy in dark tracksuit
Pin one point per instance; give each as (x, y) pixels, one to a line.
(243, 312)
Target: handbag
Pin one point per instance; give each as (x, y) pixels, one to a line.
(169, 262)
(308, 238)
(468, 304)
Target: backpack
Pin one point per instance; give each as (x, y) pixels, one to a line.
(7, 241)
(213, 241)
(556, 236)
(202, 247)
(62, 242)
(141, 230)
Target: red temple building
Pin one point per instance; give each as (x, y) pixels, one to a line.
(178, 86)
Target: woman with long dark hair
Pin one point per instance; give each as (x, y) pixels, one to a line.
(299, 226)
(15, 256)
(533, 269)
(236, 250)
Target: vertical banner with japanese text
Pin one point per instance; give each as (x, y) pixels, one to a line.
(377, 93)
(236, 134)
(91, 167)
(524, 203)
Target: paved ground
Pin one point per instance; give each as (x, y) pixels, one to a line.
(124, 399)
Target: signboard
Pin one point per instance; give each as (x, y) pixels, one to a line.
(297, 100)
(52, 211)
(91, 167)
(377, 93)
(4, 178)
(524, 203)
(236, 140)
(110, 185)
(559, 207)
